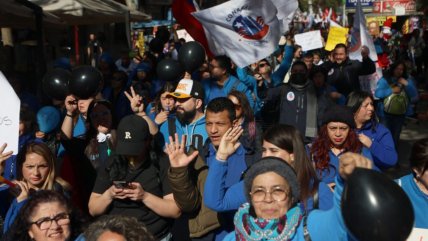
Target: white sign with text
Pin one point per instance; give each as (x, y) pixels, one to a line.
(309, 40)
(9, 116)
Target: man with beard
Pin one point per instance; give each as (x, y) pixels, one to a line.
(296, 102)
(190, 118)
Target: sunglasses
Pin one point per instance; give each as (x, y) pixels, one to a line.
(262, 65)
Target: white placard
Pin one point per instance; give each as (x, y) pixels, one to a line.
(309, 40)
(418, 234)
(182, 33)
(9, 116)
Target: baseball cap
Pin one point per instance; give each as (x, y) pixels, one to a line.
(187, 88)
(132, 133)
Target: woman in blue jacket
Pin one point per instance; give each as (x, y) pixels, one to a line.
(395, 81)
(416, 184)
(284, 142)
(374, 136)
(273, 213)
(336, 136)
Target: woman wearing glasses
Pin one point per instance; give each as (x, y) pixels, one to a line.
(35, 171)
(47, 216)
(273, 213)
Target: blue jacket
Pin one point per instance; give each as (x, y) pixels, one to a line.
(382, 148)
(12, 213)
(322, 225)
(328, 175)
(195, 132)
(383, 90)
(219, 197)
(231, 82)
(418, 199)
(231, 175)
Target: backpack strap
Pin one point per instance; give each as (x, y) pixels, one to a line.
(316, 198)
(305, 228)
(172, 129)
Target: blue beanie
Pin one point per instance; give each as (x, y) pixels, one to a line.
(48, 119)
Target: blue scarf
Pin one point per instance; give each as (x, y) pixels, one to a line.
(249, 228)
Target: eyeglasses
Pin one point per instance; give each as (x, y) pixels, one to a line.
(277, 194)
(46, 222)
(262, 65)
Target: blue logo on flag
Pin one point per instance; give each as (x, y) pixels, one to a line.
(250, 28)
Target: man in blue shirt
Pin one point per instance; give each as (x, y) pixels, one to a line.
(222, 81)
(190, 118)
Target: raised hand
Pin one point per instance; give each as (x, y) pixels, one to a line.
(229, 143)
(177, 152)
(349, 161)
(4, 156)
(136, 101)
(70, 103)
(161, 117)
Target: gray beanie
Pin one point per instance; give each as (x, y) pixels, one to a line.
(272, 164)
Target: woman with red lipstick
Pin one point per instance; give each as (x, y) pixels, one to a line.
(336, 136)
(35, 171)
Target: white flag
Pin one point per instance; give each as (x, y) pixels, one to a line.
(245, 30)
(360, 36)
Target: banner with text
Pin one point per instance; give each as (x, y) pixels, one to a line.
(336, 35)
(9, 116)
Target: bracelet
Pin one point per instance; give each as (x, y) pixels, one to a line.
(69, 115)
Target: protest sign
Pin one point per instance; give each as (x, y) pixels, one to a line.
(336, 35)
(9, 116)
(309, 40)
(182, 33)
(418, 234)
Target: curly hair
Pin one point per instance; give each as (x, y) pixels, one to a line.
(129, 227)
(322, 145)
(21, 225)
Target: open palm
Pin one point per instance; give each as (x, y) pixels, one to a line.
(177, 152)
(229, 142)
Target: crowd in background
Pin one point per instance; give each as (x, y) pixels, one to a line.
(221, 153)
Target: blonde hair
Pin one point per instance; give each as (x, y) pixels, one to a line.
(43, 150)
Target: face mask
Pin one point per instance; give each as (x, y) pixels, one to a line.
(298, 78)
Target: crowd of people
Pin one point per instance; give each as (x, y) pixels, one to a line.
(223, 153)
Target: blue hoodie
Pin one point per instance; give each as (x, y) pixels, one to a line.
(382, 148)
(195, 132)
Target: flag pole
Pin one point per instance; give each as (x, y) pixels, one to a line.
(344, 13)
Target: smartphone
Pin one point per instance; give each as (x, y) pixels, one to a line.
(122, 184)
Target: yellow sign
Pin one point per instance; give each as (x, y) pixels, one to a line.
(336, 35)
(380, 19)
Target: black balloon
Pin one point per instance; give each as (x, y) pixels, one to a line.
(169, 70)
(85, 82)
(55, 83)
(376, 208)
(156, 45)
(191, 55)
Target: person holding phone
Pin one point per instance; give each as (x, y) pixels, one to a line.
(131, 184)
